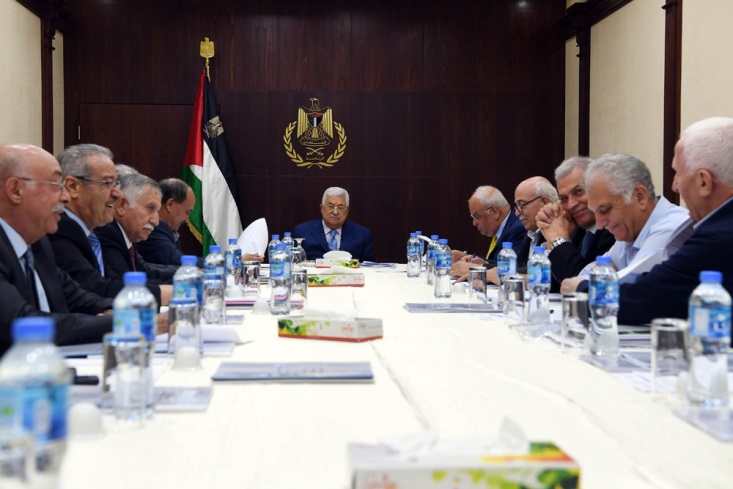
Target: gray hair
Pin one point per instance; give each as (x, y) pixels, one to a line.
(74, 160)
(490, 196)
(708, 144)
(123, 169)
(335, 192)
(134, 185)
(622, 173)
(571, 164)
(544, 188)
(11, 162)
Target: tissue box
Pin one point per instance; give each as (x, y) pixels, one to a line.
(340, 329)
(328, 263)
(335, 280)
(544, 467)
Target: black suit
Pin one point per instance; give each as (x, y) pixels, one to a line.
(73, 308)
(525, 252)
(117, 258)
(163, 248)
(75, 256)
(567, 260)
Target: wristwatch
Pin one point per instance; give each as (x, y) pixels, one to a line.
(558, 241)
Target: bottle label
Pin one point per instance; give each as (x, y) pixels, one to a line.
(185, 290)
(41, 410)
(277, 269)
(538, 274)
(603, 292)
(506, 267)
(443, 260)
(431, 253)
(234, 259)
(127, 322)
(713, 322)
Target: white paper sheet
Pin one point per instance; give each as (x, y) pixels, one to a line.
(254, 238)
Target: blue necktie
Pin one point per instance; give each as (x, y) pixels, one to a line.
(332, 245)
(586, 243)
(97, 249)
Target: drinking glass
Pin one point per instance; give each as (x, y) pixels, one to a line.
(574, 319)
(477, 284)
(514, 298)
(669, 349)
(298, 252)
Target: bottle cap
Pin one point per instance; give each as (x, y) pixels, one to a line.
(507, 244)
(134, 278)
(539, 249)
(434, 236)
(287, 234)
(711, 276)
(275, 236)
(412, 235)
(281, 246)
(232, 240)
(214, 249)
(443, 241)
(418, 233)
(188, 260)
(603, 260)
(34, 328)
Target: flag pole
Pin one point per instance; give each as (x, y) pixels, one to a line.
(207, 51)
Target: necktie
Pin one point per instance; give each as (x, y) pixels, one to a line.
(30, 275)
(332, 245)
(586, 243)
(131, 250)
(97, 249)
(491, 246)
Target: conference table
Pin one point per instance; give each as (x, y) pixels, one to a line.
(458, 375)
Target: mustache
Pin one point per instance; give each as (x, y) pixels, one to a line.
(149, 226)
(58, 208)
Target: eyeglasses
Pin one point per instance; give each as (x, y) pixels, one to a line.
(331, 207)
(477, 215)
(520, 207)
(59, 186)
(110, 184)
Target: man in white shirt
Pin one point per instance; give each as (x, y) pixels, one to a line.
(621, 194)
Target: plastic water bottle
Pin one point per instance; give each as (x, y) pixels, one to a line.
(134, 314)
(233, 259)
(280, 281)
(603, 302)
(271, 246)
(288, 241)
(710, 323)
(421, 245)
(413, 256)
(443, 263)
(430, 260)
(188, 283)
(506, 264)
(538, 277)
(34, 393)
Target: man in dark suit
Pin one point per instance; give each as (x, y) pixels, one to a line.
(703, 162)
(333, 231)
(569, 226)
(493, 217)
(90, 178)
(135, 216)
(31, 198)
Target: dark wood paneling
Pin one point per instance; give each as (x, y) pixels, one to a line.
(672, 90)
(436, 98)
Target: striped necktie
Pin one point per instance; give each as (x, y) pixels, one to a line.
(97, 249)
(332, 245)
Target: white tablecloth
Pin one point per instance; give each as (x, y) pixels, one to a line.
(455, 374)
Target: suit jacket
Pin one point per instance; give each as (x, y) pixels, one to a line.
(664, 291)
(75, 256)
(513, 231)
(73, 308)
(117, 257)
(163, 248)
(525, 252)
(355, 238)
(566, 259)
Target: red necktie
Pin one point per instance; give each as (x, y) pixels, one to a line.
(132, 257)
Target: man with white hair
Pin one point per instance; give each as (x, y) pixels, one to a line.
(333, 232)
(135, 217)
(703, 162)
(621, 194)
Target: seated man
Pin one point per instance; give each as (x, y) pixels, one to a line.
(90, 178)
(621, 193)
(493, 217)
(135, 216)
(569, 226)
(31, 284)
(333, 231)
(703, 162)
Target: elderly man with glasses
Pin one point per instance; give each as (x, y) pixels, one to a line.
(493, 217)
(31, 284)
(333, 231)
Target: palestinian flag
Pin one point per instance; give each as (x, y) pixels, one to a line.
(208, 170)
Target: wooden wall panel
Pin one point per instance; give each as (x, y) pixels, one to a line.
(436, 97)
